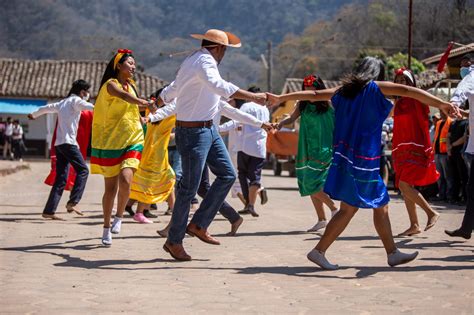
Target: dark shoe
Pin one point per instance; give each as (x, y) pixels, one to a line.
(458, 233)
(147, 213)
(263, 196)
(252, 211)
(168, 212)
(153, 206)
(201, 234)
(176, 251)
(130, 211)
(244, 211)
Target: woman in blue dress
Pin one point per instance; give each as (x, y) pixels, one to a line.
(360, 106)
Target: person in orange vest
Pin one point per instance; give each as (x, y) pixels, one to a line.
(445, 181)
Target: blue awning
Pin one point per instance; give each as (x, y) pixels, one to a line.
(19, 106)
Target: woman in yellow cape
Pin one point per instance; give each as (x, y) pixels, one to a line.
(154, 180)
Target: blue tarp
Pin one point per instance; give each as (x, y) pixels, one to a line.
(19, 106)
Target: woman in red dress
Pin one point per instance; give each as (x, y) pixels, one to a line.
(413, 154)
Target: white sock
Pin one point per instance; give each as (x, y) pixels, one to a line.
(318, 258)
(107, 237)
(116, 225)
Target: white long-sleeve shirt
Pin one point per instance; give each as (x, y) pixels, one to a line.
(222, 108)
(235, 130)
(198, 88)
(254, 140)
(69, 114)
(463, 92)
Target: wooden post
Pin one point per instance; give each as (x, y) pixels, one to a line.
(410, 22)
(270, 68)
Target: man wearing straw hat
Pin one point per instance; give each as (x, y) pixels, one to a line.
(198, 87)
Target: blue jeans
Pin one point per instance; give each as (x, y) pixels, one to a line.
(445, 181)
(67, 154)
(226, 210)
(198, 147)
(174, 159)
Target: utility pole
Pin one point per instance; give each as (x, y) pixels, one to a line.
(270, 67)
(410, 22)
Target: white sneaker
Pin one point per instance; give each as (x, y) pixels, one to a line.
(116, 225)
(397, 258)
(106, 237)
(318, 226)
(318, 258)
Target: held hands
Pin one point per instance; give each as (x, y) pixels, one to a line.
(260, 98)
(30, 117)
(451, 110)
(272, 100)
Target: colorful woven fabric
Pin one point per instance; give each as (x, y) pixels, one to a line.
(412, 153)
(117, 134)
(354, 173)
(154, 180)
(314, 149)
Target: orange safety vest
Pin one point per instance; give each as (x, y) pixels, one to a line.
(443, 148)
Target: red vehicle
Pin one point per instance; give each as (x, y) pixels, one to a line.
(282, 147)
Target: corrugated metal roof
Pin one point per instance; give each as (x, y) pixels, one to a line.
(454, 52)
(52, 79)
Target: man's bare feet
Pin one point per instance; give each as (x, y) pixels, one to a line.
(235, 226)
(70, 209)
(432, 221)
(412, 230)
(52, 217)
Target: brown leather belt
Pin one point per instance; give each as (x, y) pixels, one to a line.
(194, 124)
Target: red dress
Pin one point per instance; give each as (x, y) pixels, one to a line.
(412, 153)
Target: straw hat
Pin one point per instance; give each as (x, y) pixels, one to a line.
(219, 37)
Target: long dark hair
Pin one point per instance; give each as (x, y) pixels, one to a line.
(369, 69)
(321, 106)
(155, 95)
(112, 72)
(78, 86)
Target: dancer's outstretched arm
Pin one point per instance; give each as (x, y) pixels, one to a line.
(319, 95)
(294, 115)
(394, 89)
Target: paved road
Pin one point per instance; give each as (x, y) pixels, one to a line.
(60, 267)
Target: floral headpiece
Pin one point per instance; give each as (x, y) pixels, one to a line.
(403, 71)
(310, 80)
(120, 54)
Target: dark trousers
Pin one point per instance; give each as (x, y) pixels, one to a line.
(250, 171)
(17, 148)
(468, 220)
(67, 154)
(460, 174)
(226, 209)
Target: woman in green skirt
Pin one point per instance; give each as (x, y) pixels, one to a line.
(314, 149)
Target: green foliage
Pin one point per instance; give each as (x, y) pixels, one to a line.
(399, 60)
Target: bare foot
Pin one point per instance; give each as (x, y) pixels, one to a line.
(412, 230)
(235, 226)
(432, 221)
(71, 209)
(52, 217)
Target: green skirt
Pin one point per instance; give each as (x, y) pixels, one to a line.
(315, 148)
